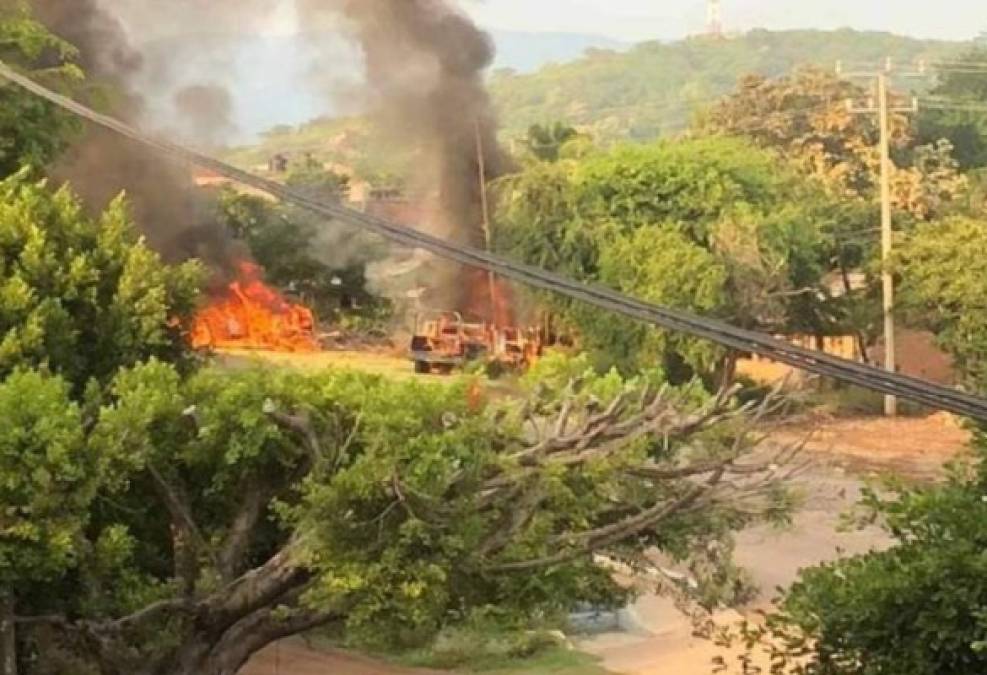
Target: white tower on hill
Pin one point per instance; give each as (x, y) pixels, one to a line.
(714, 18)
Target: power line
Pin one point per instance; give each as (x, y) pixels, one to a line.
(952, 104)
(924, 66)
(738, 339)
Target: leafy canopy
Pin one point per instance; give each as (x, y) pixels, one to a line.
(83, 296)
(32, 131)
(805, 117)
(713, 226)
(48, 477)
(235, 507)
(966, 130)
(914, 609)
(943, 288)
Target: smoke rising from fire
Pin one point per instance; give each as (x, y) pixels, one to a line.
(424, 67)
(208, 109)
(422, 84)
(174, 216)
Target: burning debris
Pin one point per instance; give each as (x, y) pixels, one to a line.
(444, 341)
(252, 315)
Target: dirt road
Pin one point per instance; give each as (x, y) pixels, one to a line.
(294, 657)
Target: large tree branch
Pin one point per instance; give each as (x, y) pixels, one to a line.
(257, 631)
(91, 639)
(258, 493)
(153, 611)
(300, 425)
(576, 545)
(258, 588)
(176, 501)
(518, 513)
(256, 497)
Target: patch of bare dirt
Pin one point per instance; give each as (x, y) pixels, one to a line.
(913, 447)
(294, 657)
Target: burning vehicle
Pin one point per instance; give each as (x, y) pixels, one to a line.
(444, 341)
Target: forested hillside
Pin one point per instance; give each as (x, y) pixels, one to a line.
(653, 89)
(649, 91)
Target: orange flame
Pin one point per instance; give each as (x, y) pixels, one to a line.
(252, 315)
(489, 298)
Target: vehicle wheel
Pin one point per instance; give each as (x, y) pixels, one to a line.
(422, 368)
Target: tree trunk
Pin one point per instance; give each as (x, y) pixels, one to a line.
(728, 369)
(8, 635)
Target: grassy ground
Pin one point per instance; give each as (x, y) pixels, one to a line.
(471, 652)
(377, 363)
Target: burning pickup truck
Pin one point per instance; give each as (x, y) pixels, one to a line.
(444, 341)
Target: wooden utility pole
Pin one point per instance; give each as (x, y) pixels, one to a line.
(481, 158)
(883, 110)
(887, 242)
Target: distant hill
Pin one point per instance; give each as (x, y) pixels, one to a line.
(644, 92)
(653, 88)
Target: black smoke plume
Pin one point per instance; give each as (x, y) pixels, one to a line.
(424, 86)
(176, 217)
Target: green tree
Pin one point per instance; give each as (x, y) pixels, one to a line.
(917, 608)
(545, 141)
(32, 131)
(712, 226)
(239, 507)
(944, 286)
(80, 296)
(79, 299)
(958, 86)
(313, 179)
(804, 116)
(49, 481)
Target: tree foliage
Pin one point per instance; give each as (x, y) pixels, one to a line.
(48, 472)
(32, 131)
(804, 116)
(712, 226)
(915, 609)
(944, 286)
(318, 182)
(83, 296)
(961, 83)
(238, 507)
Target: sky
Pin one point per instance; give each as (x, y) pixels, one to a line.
(633, 20)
